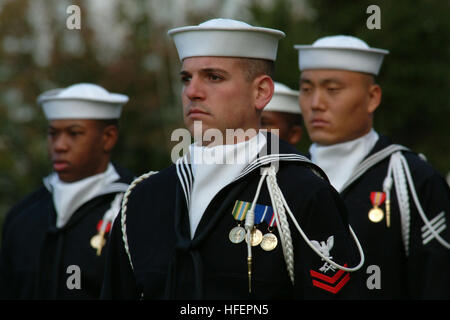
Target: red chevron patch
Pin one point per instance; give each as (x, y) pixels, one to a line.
(336, 282)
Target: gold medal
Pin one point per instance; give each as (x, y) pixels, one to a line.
(269, 242)
(376, 214)
(237, 234)
(255, 237)
(98, 242)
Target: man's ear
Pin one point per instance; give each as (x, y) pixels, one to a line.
(264, 88)
(109, 138)
(295, 134)
(374, 97)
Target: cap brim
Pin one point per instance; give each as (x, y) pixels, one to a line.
(276, 33)
(309, 47)
(113, 98)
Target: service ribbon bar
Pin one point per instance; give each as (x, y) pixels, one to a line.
(262, 212)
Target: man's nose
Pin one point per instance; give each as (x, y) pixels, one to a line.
(194, 89)
(59, 143)
(317, 102)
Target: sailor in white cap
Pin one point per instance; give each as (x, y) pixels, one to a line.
(282, 113)
(199, 230)
(398, 204)
(53, 240)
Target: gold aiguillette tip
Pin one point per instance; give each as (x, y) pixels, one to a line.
(249, 264)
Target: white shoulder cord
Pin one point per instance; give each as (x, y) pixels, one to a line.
(398, 167)
(124, 209)
(111, 213)
(279, 207)
(397, 175)
(361, 253)
(249, 223)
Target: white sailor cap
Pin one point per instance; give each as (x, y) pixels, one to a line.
(81, 101)
(226, 38)
(342, 53)
(284, 100)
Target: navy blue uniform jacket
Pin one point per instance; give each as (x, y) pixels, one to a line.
(164, 263)
(424, 272)
(36, 256)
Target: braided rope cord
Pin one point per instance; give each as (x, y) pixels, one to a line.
(399, 171)
(419, 207)
(124, 210)
(282, 223)
(401, 189)
(401, 159)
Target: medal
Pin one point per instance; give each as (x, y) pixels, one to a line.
(376, 214)
(269, 241)
(255, 237)
(98, 242)
(105, 224)
(237, 234)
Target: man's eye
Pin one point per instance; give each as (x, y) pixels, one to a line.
(214, 77)
(305, 89)
(185, 79)
(333, 89)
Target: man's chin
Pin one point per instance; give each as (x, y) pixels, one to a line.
(322, 139)
(68, 177)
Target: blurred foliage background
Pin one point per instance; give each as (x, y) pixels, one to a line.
(123, 46)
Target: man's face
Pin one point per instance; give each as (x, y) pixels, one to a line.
(271, 120)
(216, 92)
(76, 148)
(336, 105)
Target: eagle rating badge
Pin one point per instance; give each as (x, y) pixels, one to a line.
(334, 282)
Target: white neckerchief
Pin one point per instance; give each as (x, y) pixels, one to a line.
(339, 160)
(214, 168)
(68, 197)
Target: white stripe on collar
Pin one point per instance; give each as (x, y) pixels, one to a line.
(185, 174)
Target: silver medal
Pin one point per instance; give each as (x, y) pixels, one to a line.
(237, 234)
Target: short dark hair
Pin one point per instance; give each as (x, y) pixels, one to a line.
(371, 78)
(108, 122)
(255, 67)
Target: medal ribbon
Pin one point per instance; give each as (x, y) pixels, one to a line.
(377, 198)
(262, 212)
(104, 225)
(272, 222)
(240, 210)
